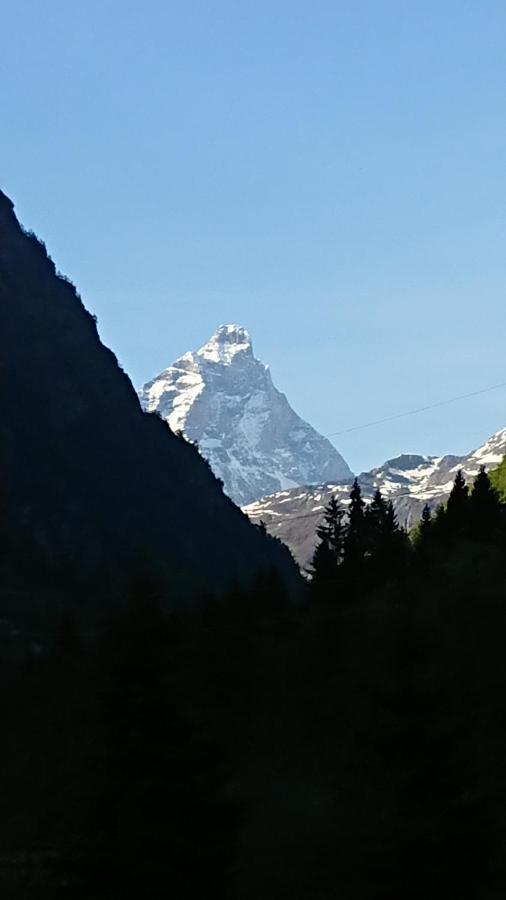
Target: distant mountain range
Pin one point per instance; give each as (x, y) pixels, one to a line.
(410, 481)
(272, 463)
(223, 398)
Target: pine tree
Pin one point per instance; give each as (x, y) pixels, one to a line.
(331, 530)
(439, 522)
(375, 517)
(376, 514)
(484, 507)
(355, 541)
(328, 552)
(426, 521)
(398, 541)
(424, 532)
(457, 508)
(386, 542)
(323, 571)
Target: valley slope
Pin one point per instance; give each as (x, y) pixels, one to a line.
(92, 486)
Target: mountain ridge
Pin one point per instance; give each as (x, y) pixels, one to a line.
(409, 480)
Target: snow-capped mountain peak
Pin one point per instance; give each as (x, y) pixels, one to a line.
(227, 342)
(223, 397)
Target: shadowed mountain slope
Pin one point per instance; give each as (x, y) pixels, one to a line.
(89, 481)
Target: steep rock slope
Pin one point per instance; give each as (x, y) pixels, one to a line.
(90, 482)
(223, 397)
(410, 481)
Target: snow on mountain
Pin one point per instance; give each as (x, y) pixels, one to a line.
(490, 455)
(223, 398)
(410, 481)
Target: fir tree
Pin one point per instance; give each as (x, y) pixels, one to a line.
(397, 541)
(426, 521)
(376, 514)
(386, 542)
(375, 517)
(323, 571)
(457, 501)
(439, 522)
(424, 532)
(331, 530)
(484, 507)
(328, 553)
(457, 508)
(355, 541)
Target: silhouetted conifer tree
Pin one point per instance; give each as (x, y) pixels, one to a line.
(457, 508)
(355, 541)
(439, 523)
(375, 529)
(484, 507)
(332, 528)
(386, 542)
(424, 534)
(398, 546)
(376, 515)
(323, 571)
(426, 520)
(328, 553)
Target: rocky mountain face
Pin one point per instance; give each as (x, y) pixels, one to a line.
(89, 482)
(410, 481)
(223, 398)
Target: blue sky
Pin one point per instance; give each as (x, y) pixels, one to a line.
(332, 175)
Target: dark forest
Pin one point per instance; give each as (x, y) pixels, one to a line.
(349, 743)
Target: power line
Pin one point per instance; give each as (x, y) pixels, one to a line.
(420, 409)
(411, 412)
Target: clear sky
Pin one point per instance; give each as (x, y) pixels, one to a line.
(332, 175)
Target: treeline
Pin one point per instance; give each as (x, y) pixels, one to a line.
(245, 747)
(361, 547)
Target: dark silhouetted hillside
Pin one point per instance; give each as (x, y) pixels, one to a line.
(89, 482)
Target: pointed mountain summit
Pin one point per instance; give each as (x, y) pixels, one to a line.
(223, 397)
(89, 482)
(226, 343)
